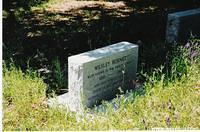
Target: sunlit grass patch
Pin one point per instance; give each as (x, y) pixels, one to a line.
(23, 103)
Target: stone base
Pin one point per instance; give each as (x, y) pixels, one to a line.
(61, 101)
(64, 101)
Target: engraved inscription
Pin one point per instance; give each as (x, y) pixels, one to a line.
(108, 76)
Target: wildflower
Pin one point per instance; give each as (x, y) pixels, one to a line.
(187, 45)
(168, 121)
(193, 54)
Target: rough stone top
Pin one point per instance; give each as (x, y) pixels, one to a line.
(186, 13)
(101, 52)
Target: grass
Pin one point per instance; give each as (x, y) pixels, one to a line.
(169, 100)
(23, 103)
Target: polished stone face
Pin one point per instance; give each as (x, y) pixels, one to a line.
(180, 25)
(101, 74)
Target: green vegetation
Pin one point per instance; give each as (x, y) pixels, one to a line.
(23, 103)
(168, 98)
(60, 77)
(35, 32)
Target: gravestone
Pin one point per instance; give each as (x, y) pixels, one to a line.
(180, 25)
(100, 75)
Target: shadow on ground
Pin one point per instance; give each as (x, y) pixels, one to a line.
(39, 36)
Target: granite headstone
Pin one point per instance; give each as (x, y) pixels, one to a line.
(100, 75)
(181, 25)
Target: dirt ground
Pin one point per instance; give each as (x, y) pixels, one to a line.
(69, 5)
